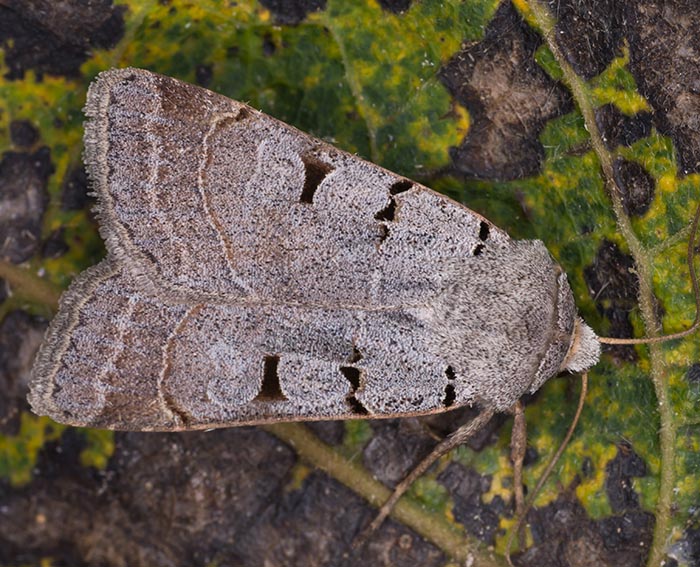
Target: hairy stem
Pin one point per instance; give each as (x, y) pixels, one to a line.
(642, 260)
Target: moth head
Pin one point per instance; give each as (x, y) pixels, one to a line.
(574, 347)
(584, 348)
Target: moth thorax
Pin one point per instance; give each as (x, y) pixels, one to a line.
(584, 349)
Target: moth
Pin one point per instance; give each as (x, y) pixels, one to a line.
(256, 274)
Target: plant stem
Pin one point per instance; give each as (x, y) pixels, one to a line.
(28, 286)
(667, 433)
(451, 539)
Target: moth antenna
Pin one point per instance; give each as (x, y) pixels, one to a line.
(696, 294)
(455, 439)
(550, 467)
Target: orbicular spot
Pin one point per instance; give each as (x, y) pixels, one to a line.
(352, 375)
(315, 171)
(270, 390)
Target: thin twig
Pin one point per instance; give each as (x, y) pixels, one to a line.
(447, 536)
(28, 286)
(549, 468)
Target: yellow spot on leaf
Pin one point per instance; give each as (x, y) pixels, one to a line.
(99, 448)
(667, 183)
(18, 452)
(502, 481)
(462, 120)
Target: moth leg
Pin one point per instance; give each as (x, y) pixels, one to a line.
(518, 447)
(455, 439)
(550, 466)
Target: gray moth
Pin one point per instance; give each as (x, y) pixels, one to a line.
(257, 274)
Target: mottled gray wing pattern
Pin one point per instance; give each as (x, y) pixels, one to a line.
(257, 274)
